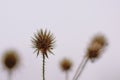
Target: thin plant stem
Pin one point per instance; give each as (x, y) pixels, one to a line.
(66, 76)
(86, 60)
(9, 75)
(80, 68)
(43, 67)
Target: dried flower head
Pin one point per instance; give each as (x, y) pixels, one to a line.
(43, 42)
(100, 39)
(66, 64)
(10, 59)
(97, 45)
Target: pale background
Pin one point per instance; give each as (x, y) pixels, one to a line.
(73, 23)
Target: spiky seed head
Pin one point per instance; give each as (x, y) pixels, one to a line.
(43, 41)
(10, 59)
(65, 64)
(94, 50)
(97, 44)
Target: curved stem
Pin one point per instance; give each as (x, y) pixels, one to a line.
(43, 67)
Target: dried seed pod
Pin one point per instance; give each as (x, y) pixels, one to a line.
(10, 59)
(97, 45)
(43, 42)
(65, 64)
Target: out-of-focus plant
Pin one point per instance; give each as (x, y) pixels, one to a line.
(94, 51)
(66, 65)
(10, 61)
(43, 41)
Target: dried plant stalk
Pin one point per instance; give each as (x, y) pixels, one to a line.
(43, 42)
(94, 50)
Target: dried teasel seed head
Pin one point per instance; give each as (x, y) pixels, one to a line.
(10, 59)
(43, 41)
(100, 39)
(65, 64)
(97, 45)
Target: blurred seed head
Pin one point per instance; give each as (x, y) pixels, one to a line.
(65, 64)
(100, 39)
(10, 60)
(97, 45)
(43, 41)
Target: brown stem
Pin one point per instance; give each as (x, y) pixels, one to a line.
(43, 67)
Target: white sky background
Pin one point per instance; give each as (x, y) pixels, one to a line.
(74, 23)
